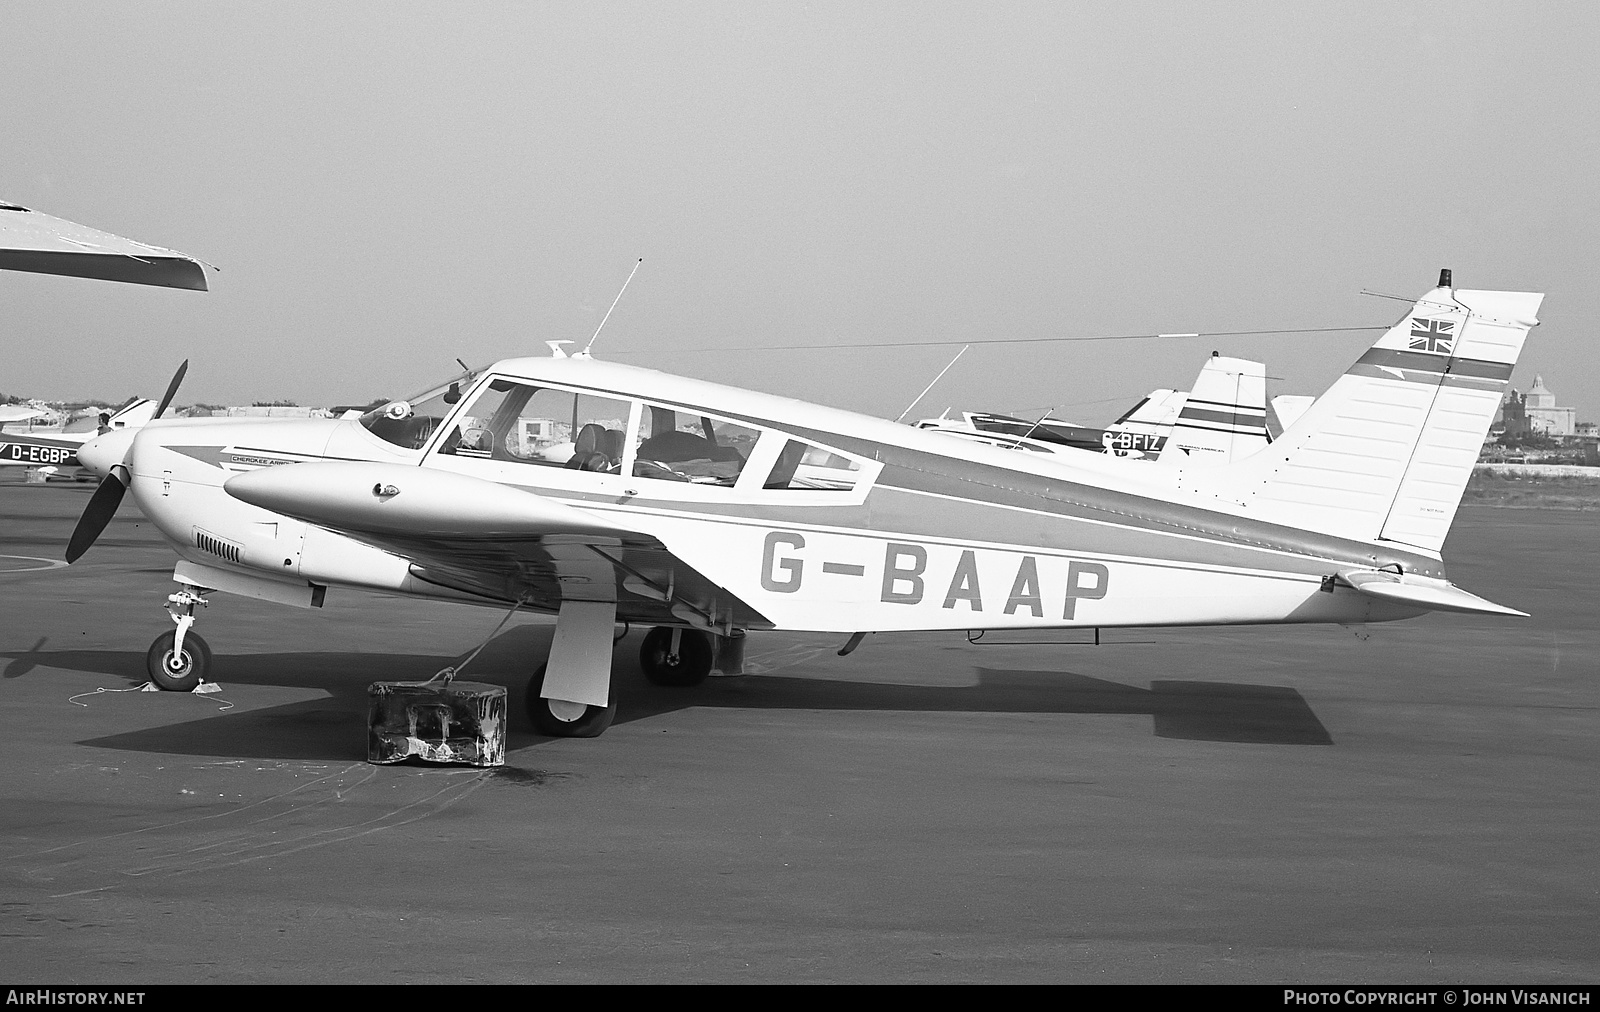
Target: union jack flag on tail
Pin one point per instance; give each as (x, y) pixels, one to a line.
(1433, 335)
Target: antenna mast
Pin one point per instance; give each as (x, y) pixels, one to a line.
(936, 379)
(585, 352)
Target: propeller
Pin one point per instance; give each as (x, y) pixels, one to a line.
(172, 388)
(102, 506)
(108, 496)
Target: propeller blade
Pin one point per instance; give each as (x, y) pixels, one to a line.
(172, 388)
(102, 506)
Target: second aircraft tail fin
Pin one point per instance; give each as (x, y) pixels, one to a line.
(1224, 417)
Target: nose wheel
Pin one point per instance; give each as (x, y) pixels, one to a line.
(175, 668)
(180, 660)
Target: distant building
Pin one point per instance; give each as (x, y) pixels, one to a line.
(274, 411)
(1536, 413)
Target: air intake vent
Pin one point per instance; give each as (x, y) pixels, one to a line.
(207, 542)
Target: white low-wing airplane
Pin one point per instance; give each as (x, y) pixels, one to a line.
(60, 449)
(605, 493)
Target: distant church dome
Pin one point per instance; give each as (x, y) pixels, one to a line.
(1539, 395)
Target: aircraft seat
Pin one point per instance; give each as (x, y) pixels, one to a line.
(597, 448)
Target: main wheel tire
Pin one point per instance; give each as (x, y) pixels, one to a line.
(180, 673)
(589, 724)
(691, 665)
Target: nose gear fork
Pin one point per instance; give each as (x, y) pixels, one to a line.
(181, 607)
(178, 661)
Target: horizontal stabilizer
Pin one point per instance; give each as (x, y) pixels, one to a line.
(1421, 592)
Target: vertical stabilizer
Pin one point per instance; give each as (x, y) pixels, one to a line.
(1143, 429)
(1386, 452)
(1224, 417)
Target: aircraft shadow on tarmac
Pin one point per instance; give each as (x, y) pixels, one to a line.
(334, 728)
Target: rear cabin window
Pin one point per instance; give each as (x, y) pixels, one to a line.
(679, 445)
(801, 465)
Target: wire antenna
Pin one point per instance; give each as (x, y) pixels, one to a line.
(585, 352)
(1040, 422)
(936, 379)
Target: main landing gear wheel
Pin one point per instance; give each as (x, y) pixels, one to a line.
(560, 719)
(687, 665)
(178, 672)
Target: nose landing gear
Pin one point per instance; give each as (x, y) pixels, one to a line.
(179, 661)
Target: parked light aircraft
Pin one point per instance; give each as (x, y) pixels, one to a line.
(604, 493)
(1222, 419)
(60, 449)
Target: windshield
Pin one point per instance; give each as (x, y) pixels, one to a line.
(409, 422)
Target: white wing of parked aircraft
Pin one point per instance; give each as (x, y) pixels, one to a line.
(20, 413)
(35, 242)
(603, 493)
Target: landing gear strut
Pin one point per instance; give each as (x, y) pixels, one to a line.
(179, 661)
(570, 695)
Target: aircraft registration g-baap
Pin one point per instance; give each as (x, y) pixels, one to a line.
(604, 493)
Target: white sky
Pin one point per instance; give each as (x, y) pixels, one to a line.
(387, 187)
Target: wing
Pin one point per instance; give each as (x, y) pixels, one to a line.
(35, 242)
(496, 541)
(18, 413)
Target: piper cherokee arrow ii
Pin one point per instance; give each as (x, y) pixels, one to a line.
(604, 493)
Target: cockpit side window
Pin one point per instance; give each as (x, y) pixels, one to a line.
(545, 426)
(680, 445)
